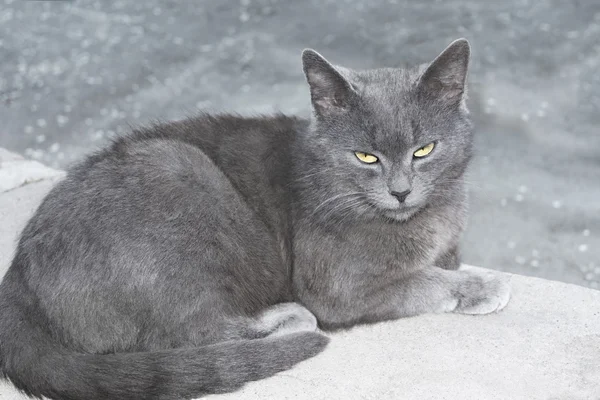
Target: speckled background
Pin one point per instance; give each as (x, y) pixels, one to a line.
(75, 73)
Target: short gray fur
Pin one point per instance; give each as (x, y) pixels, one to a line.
(190, 257)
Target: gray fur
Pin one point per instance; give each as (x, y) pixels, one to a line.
(190, 257)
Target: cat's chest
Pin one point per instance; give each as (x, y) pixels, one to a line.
(402, 246)
(398, 246)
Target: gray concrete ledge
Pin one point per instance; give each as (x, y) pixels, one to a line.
(544, 345)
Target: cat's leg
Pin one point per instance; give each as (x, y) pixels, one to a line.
(450, 259)
(467, 290)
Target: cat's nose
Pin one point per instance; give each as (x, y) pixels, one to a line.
(401, 196)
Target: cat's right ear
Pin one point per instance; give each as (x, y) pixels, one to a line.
(330, 92)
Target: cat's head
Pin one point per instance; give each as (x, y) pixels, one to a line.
(387, 141)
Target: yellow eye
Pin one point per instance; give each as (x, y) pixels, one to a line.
(366, 157)
(424, 151)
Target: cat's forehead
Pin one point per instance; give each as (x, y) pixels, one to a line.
(386, 80)
(386, 98)
(387, 91)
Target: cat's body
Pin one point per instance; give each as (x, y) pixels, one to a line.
(173, 263)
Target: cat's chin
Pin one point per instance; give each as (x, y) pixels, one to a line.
(402, 214)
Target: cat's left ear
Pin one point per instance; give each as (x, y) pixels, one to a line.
(330, 91)
(446, 77)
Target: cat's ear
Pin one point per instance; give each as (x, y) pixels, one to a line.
(330, 92)
(446, 77)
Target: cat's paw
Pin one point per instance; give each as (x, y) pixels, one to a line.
(481, 291)
(286, 318)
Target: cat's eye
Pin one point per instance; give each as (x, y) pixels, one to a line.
(366, 157)
(424, 151)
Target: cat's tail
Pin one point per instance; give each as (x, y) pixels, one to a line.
(39, 366)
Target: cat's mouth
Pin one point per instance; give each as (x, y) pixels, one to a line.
(402, 212)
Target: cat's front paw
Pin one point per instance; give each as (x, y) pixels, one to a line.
(481, 291)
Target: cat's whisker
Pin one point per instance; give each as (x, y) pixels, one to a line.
(348, 206)
(353, 209)
(307, 176)
(334, 198)
(340, 211)
(342, 206)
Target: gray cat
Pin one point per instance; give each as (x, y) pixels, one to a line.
(190, 257)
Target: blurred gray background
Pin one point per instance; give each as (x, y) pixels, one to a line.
(73, 74)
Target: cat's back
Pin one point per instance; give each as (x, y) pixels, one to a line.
(260, 144)
(197, 154)
(156, 186)
(254, 153)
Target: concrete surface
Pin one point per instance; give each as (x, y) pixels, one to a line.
(75, 73)
(23, 184)
(544, 345)
(16, 171)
